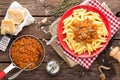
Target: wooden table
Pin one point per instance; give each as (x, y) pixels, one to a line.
(66, 73)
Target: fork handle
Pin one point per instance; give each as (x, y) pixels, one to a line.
(16, 74)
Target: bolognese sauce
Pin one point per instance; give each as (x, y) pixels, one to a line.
(85, 31)
(26, 50)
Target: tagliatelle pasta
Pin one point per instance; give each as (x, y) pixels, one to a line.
(85, 31)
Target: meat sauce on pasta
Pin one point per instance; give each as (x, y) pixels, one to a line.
(85, 31)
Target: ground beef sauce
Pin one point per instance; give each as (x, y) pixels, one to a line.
(85, 31)
(26, 50)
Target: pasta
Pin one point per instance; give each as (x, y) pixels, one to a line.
(85, 31)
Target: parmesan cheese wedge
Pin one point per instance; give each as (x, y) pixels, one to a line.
(7, 26)
(18, 15)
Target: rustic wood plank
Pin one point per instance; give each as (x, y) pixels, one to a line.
(116, 43)
(37, 9)
(117, 35)
(113, 5)
(65, 73)
(34, 6)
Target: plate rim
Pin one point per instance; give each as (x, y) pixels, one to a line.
(102, 15)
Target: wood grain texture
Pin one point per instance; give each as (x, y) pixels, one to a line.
(66, 73)
(38, 10)
(34, 6)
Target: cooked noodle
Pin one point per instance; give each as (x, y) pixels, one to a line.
(85, 31)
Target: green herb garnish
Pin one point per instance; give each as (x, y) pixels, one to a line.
(65, 5)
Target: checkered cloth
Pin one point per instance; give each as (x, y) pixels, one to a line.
(114, 23)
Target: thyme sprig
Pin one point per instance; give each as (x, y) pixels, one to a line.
(65, 5)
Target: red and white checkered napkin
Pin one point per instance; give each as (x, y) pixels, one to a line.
(114, 23)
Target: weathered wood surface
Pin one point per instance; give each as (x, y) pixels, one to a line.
(37, 9)
(39, 12)
(34, 6)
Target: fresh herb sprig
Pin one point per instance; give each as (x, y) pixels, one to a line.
(65, 5)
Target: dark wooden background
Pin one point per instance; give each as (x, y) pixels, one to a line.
(66, 73)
